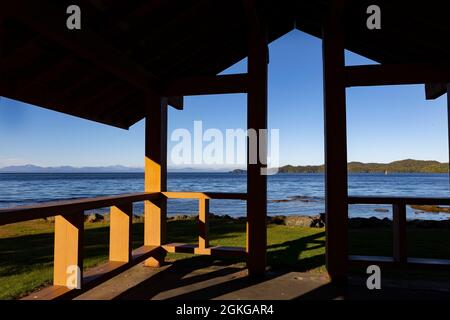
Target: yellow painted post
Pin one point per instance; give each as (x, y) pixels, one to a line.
(203, 211)
(120, 233)
(155, 176)
(68, 255)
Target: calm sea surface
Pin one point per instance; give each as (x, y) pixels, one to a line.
(288, 194)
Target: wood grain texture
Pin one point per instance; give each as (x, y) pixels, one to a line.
(68, 249)
(121, 218)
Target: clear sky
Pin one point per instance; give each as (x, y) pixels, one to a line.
(384, 123)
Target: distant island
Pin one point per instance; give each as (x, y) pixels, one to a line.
(402, 166)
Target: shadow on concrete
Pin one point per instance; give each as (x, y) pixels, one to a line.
(178, 274)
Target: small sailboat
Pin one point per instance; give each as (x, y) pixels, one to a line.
(386, 173)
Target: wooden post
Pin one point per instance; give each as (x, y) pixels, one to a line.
(399, 229)
(155, 176)
(336, 192)
(68, 255)
(257, 121)
(448, 124)
(3, 81)
(203, 212)
(120, 233)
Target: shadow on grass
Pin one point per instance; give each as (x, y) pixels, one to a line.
(287, 254)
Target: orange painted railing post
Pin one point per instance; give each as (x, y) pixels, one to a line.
(68, 255)
(120, 233)
(203, 212)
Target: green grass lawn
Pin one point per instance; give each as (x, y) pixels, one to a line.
(26, 249)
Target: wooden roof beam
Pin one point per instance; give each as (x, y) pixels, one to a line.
(85, 44)
(202, 85)
(396, 74)
(435, 90)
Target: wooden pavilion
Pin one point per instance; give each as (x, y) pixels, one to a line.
(133, 60)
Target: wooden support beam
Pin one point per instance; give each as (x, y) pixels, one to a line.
(68, 255)
(3, 81)
(256, 150)
(202, 85)
(203, 212)
(336, 192)
(121, 218)
(396, 74)
(399, 229)
(448, 122)
(86, 44)
(155, 175)
(435, 90)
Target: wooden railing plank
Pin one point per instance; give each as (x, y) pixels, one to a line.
(44, 210)
(49, 209)
(205, 195)
(398, 200)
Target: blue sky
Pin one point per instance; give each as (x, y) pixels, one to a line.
(384, 123)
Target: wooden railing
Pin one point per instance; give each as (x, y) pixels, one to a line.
(69, 229)
(203, 213)
(399, 256)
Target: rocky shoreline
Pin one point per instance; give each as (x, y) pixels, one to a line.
(316, 221)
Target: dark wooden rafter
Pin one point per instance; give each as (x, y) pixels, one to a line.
(87, 45)
(23, 53)
(52, 72)
(396, 74)
(211, 44)
(201, 85)
(435, 90)
(120, 107)
(68, 94)
(109, 93)
(185, 17)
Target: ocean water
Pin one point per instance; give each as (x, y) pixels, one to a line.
(288, 194)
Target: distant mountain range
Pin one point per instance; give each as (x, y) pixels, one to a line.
(29, 168)
(402, 166)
